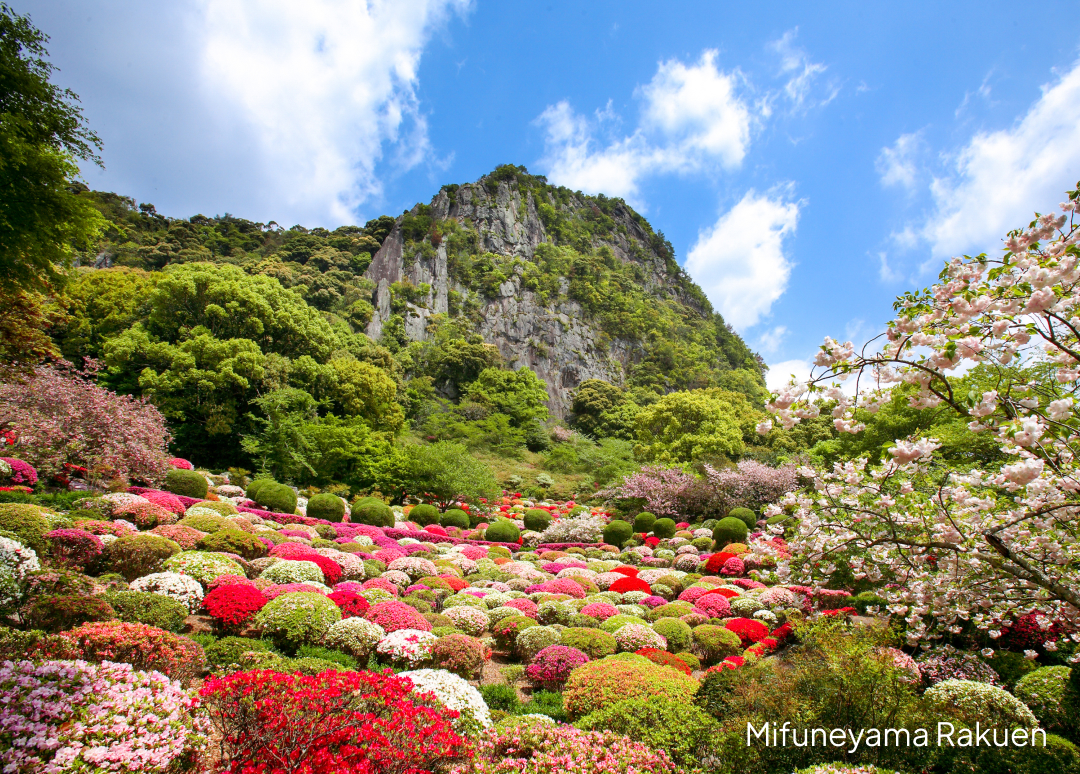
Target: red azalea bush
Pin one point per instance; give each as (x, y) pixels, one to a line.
(393, 615)
(551, 667)
(145, 515)
(333, 723)
(144, 647)
(181, 463)
(715, 563)
(350, 603)
(664, 658)
(331, 570)
(749, 630)
(624, 585)
(74, 548)
(185, 537)
(233, 605)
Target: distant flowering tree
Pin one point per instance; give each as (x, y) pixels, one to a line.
(750, 484)
(985, 546)
(61, 416)
(661, 488)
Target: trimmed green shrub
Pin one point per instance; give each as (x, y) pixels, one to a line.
(293, 620)
(255, 486)
(548, 703)
(134, 556)
(228, 650)
(187, 483)
(151, 609)
(60, 612)
(204, 522)
(714, 643)
(234, 541)
(644, 521)
(455, 517)
(729, 530)
(1044, 691)
(617, 532)
(424, 514)
(502, 531)
(969, 701)
(327, 507)
(276, 497)
(594, 643)
(689, 659)
(219, 506)
(373, 512)
(599, 684)
(745, 515)
(537, 520)
(27, 522)
(664, 528)
(1059, 756)
(682, 730)
(678, 634)
(501, 697)
(327, 654)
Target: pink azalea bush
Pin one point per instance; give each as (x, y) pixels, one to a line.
(21, 472)
(552, 665)
(68, 716)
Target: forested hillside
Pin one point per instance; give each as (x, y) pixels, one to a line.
(501, 308)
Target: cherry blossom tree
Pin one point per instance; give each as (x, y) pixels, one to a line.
(951, 545)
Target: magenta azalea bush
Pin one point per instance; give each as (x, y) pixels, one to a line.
(71, 716)
(552, 666)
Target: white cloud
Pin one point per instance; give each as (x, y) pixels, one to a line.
(326, 88)
(691, 118)
(770, 340)
(801, 73)
(897, 164)
(1001, 177)
(740, 262)
(886, 272)
(780, 374)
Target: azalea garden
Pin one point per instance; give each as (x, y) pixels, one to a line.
(204, 568)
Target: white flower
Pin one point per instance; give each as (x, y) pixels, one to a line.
(182, 588)
(452, 691)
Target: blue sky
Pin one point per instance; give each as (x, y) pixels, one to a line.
(808, 161)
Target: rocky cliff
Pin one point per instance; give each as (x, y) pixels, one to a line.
(473, 253)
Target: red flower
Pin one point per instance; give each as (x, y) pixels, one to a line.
(749, 630)
(630, 572)
(230, 606)
(624, 585)
(350, 603)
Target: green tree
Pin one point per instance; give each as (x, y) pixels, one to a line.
(360, 389)
(518, 394)
(687, 427)
(447, 472)
(280, 444)
(43, 216)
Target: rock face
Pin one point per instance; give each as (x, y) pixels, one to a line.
(557, 340)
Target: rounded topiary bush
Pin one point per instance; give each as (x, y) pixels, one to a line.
(150, 609)
(203, 566)
(297, 619)
(327, 507)
(685, 732)
(971, 701)
(229, 651)
(729, 530)
(502, 531)
(276, 497)
(617, 532)
(678, 634)
(58, 612)
(373, 512)
(234, 541)
(28, 523)
(664, 528)
(600, 684)
(205, 522)
(714, 643)
(595, 643)
(644, 521)
(1045, 692)
(140, 554)
(187, 483)
(537, 520)
(355, 636)
(745, 515)
(424, 514)
(144, 647)
(455, 517)
(255, 486)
